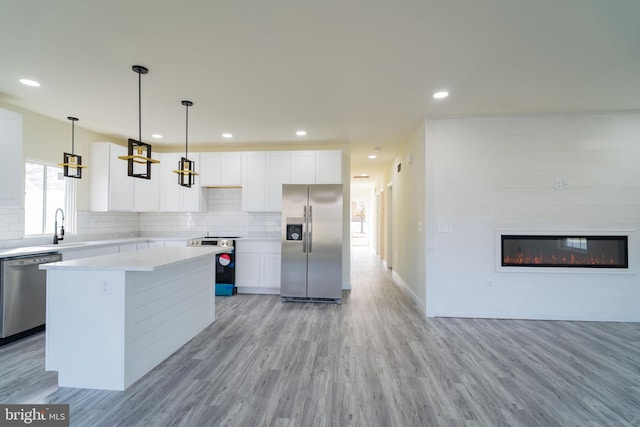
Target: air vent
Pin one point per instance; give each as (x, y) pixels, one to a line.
(361, 177)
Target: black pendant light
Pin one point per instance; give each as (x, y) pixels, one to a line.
(186, 168)
(71, 162)
(138, 151)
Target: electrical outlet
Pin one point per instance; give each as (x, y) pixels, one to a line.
(489, 284)
(445, 227)
(558, 185)
(105, 288)
(420, 226)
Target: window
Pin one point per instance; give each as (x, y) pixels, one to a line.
(46, 190)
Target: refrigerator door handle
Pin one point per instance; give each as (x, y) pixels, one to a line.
(304, 231)
(310, 240)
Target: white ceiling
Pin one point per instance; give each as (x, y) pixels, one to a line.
(355, 71)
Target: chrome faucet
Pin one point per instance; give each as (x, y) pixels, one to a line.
(57, 237)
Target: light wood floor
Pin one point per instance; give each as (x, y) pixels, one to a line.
(373, 361)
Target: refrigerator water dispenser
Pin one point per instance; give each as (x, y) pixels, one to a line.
(294, 231)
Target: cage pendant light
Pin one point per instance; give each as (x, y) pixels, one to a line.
(186, 168)
(139, 153)
(71, 162)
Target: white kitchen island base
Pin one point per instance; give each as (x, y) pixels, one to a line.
(112, 319)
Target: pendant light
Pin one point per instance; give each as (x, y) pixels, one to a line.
(138, 151)
(71, 162)
(186, 168)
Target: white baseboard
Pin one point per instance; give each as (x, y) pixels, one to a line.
(400, 282)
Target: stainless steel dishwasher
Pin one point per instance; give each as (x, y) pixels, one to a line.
(23, 293)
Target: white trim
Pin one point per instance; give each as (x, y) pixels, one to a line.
(405, 287)
(536, 316)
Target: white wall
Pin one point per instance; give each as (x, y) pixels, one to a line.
(487, 174)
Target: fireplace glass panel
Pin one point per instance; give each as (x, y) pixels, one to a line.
(565, 251)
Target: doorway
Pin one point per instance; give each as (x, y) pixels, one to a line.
(361, 217)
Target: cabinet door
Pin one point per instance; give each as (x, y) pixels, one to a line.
(247, 270)
(221, 169)
(121, 185)
(303, 167)
(12, 170)
(270, 271)
(253, 181)
(171, 196)
(192, 198)
(278, 173)
(231, 169)
(210, 169)
(329, 167)
(146, 192)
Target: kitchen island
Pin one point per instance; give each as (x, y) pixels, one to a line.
(113, 318)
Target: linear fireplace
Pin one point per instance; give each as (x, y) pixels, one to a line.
(564, 251)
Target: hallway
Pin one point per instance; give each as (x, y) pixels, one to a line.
(373, 361)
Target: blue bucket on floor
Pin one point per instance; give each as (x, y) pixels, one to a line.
(224, 289)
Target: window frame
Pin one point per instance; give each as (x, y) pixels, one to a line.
(69, 200)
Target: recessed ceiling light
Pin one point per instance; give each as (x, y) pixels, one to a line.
(227, 135)
(28, 82)
(372, 156)
(301, 133)
(441, 94)
(156, 136)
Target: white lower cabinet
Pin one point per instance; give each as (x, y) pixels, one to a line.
(258, 266)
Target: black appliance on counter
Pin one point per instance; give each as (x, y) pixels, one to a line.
(225, 263)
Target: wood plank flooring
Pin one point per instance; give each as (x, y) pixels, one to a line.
(373, 361)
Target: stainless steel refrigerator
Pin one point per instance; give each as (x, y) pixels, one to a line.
(311, 266)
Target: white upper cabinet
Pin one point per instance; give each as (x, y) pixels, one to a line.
(254, 172)
(222, 169)
(146, 192)
(303, 167)
(12, 170)
(263, 176)
(278, 173)
(329, 167)
(316, 167)
(171, 200)
(111, 188)
(174, 197)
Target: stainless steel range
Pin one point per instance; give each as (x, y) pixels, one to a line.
(225, 262)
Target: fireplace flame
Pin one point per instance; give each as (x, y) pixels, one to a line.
(572, 259)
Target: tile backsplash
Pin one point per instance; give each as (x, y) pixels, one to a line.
(224, 217)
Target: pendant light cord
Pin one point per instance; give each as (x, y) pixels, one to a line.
(186, 135)
(139, 107)
(73, 136)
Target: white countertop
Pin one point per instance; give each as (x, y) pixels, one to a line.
(142, 260)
